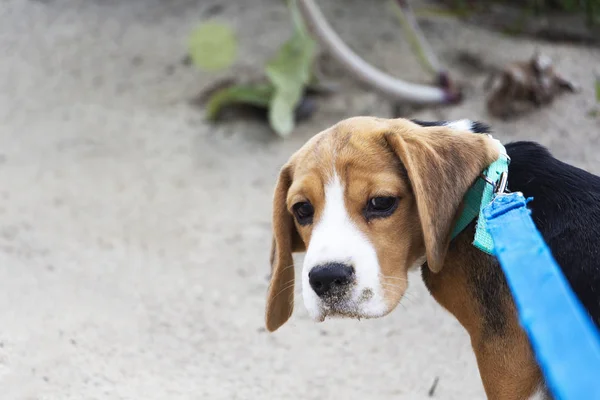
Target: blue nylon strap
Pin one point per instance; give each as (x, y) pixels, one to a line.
(563, 336)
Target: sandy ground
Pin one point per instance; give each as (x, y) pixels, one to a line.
(134, 236)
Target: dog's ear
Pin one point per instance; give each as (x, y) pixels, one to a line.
(286, 240)
(442, 164)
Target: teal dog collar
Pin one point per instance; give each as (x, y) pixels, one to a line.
(491, 182)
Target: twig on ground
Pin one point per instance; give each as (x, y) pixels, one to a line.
(433, 386)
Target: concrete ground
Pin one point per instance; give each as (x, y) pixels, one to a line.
(134, 236)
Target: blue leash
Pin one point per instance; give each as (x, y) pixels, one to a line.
(563, 336)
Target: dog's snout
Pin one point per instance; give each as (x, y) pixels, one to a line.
(325, 278)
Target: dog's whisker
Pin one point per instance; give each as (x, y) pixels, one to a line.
(290, 301)
(291, 304)
(405, 294)
(403, 299)
(392, 285)
(393, 277)
(288, 282)
(289, 266)
(284, 289)
(292, 281)
(409, 297)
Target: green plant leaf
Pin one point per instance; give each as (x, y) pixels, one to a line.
(292, 64)
(598, 89)
(289, 71)
(212, 46)
(281, 114)
(259, 94)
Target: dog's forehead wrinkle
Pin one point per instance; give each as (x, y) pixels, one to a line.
(342, 139)
(355, 150)
(341, 149)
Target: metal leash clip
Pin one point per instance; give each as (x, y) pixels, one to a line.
(499, 187)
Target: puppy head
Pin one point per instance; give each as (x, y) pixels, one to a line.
(367, 199)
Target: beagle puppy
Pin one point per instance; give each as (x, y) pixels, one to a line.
(369, 199)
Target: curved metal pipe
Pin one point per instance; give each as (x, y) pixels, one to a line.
(379, 80)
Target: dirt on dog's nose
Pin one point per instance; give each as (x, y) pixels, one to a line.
(329, 278)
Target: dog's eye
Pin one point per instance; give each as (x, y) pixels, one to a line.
(379, 207)
(304, 212)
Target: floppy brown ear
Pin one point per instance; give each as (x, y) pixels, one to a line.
(442, 164)
(280, 298)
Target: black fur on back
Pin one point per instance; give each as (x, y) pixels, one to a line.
(566, 210)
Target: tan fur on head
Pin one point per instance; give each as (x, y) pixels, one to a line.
(429, 169)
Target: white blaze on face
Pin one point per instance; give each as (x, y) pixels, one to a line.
(336, 239)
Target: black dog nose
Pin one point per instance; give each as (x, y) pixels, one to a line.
(324, 278)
